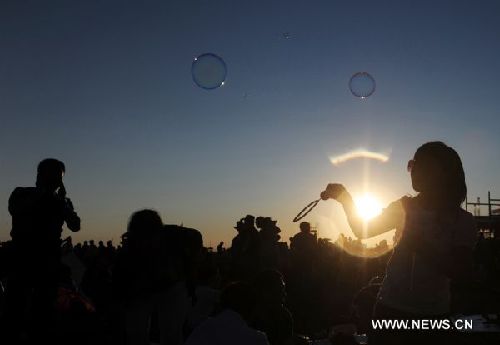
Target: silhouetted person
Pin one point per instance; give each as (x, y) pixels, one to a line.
(303, 249)
(220, 248)
(245, 248)
(237, 244)
(301, 281)
(304, 241)
(83, 251)
(436, 242)
(110, 248)
(134, 277)
(250, 221)
(154, 273)
(101, 248)
(269, 237)
(38, 215)
(269, 231)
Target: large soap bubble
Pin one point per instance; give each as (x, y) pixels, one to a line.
(362, 85)
(209, 71)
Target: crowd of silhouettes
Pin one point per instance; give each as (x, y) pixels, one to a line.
(161, 285)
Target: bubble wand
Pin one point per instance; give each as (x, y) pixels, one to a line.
(305, 211)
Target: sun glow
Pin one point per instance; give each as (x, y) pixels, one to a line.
(367, 206)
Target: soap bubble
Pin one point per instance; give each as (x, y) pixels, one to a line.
(362, 84)
(209, 71)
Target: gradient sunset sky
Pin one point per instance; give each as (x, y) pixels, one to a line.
(106, 87)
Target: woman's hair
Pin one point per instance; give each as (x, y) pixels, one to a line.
(438, 174)
(144, 223)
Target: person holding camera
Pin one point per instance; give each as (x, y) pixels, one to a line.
(436, 239)
(38, 215)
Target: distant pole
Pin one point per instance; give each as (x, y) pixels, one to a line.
(489, 204)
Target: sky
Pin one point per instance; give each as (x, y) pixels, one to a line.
(106, 86)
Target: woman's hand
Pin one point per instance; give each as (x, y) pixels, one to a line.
(333, 191)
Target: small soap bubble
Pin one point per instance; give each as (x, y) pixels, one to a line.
(209, 71)
(362, 84)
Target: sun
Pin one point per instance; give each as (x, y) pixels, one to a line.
(367, 206)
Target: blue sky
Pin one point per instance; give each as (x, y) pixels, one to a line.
(106, 87)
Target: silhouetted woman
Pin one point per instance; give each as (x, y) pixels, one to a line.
(435, 245)
(134, 277)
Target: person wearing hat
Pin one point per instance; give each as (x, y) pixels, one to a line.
(245, 248)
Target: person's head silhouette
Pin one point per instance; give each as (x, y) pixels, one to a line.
(249, 221)
(437, 174)
(305, 227)
(50, 173)
(144, 223)
(260, 222)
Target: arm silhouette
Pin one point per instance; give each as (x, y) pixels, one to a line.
(388, 220)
